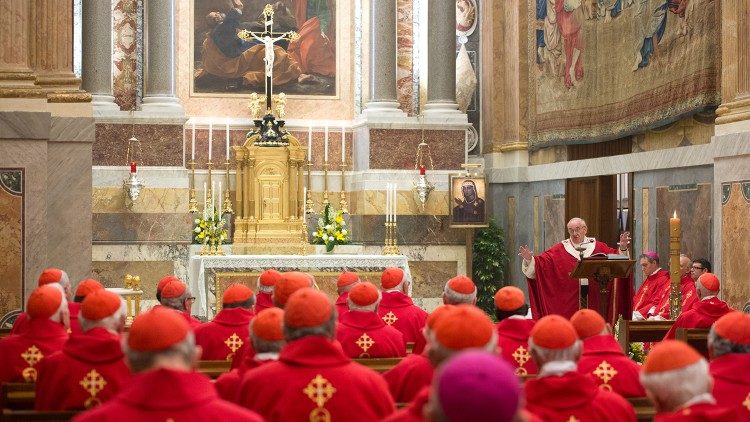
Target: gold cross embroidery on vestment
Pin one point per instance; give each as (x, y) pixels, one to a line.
(233, 342)
(364, 342)
(390, 318)
(521, 356)
(746, 403)
(93, 383)
(573, 419)
(605, 372)
(319, 390)
(32, 356)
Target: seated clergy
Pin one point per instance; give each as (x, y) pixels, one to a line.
(49, 276)
(560, 393)
(289, 283)
(267, 339)
(396, 307)
(687, 288)
(221, 337)
(266, 281)
(160, 349)
(313, 378)
(413, 373)
(677, 381)
(362, 333)
(603, 358)
(91, 368)
(346, 281)
(513, 329)
(648, 296)
(84, 288)
(175, 295)
(163, 282)
(43, 334)
(729, 348)
(704, 312)
(460, 328)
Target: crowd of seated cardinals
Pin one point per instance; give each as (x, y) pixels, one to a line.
(292, 351)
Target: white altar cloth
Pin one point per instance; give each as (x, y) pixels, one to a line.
(203, 269)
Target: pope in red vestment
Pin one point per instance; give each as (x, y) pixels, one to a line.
(313, 378)
(397, 309)
(221, 337)
(43, 335)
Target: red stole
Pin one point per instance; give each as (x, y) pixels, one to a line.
(702, 412)
(315, 379)
(398, 311)
(731, 381)
(225, 334)
(574, 395)
(342, 306)
(702, 315)
(612, 370)
(513, 339)
(263, 300)
(413, 412)
(408, 377)
(90, 369)
(365, 335)
(21, 353)
(165, 394)
(651, 291)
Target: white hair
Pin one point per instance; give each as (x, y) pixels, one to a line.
(672, 389)
(366, 308)
(142, 361)
(399, 287)
(543, 355)
(720, 346)
(57, 316)
(439, 353)
(265, 289)
(347, 288)
(452, 297)
(579, 219)
(111, 323)
(177, 303)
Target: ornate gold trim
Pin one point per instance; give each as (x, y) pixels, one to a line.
(17, 76)
(733, 111)
(58, 81)
(69, 97)
(514, 146)
(30, 92)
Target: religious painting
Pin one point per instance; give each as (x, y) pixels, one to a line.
(467, 206)
(237, 43)
(12, 244)
(605, 69)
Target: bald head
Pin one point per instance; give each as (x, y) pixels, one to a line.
(685, 264)
(577, 230)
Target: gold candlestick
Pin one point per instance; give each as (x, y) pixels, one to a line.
(193, 202)
(342, 203)
(390, 247)
(227, 202)
(308, 201)
(325, 184)
(675, 293)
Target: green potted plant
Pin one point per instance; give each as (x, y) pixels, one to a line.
(489, 265)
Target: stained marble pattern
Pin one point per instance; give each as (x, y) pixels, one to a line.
(161, 145)
(695, 219)
(112, 273)
(429, 277)
(404, 55)
(128, 227)
(411, 230)
(11, 240)
(151, 200)
(734, 233)
(554, 221)
(397, 148)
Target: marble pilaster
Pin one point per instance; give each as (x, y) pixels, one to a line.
(735, 62)
(52, 45)
(441, 61)
(97, 54)
(159, 85)
(15, 68)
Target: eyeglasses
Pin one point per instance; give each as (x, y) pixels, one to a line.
(697, 268)
(575, 229)
(191, 299)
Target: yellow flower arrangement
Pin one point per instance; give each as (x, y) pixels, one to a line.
(331, 229)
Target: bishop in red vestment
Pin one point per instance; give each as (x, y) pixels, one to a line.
(603, 358)
(397, 309)
(175, 295)
(91, 368)
(553, 291)
(160, 349)
(560, 393)
(362, 333)
(655, 285)
(43, 335)
(704, 312)
(221, 337)
(513, 329)
(729, 347)
(313, 378)
(266, 283)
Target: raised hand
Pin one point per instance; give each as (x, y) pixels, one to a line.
(525, 253)
(624, 240)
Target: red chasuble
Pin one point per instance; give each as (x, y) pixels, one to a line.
(513, 339)
(225, 334)
(20, 353)
(365, 335)
(398, 311)
(731, 381)
(702, 412)
(342, 306)
(73, 309)
(314, 380)
(263, 301)
(228, 385)
(702, 315)
(553, 291)
(574, 396)
(413, 412)
(90, 369)
(408, 377)
(612, 370)
(650, 293)
(165, 394)
(689, 297)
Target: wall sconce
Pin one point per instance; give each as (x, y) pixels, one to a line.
(132, 184)
(423, 187)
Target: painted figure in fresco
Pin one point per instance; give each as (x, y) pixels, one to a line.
(656, 27)
(570, 29)
(471, 208)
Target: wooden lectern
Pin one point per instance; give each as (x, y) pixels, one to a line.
(603, 270)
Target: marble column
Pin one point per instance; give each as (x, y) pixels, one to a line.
(735, 67)
(52, 45)
(159, 85)
(96, 66)
(383, 96)
(15, 67)
(441, 59)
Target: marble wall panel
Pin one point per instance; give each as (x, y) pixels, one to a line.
(554, 220)
(404, 55)
(11, 240)
(124, 53)
(151, 200)
(161, 144)
(429, 277)
(372, 202)
(397, 148)
(156, 227)
(735, 233)
(112, 273)
(696, 219)
(411, 230)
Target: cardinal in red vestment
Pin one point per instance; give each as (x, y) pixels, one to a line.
(346, 281)
(82, 290)
(221, 337)
(654, 287)
(313, 378)
(560, 393)
(687, 289)
(266, 282)
(44, 333)
(267, 338)
(90, 369)
(729, 347)
(513, 329)
(553, 291)
(49, 276)
(704, 312)
(603, 358)
(160, 348)
(672, 363)
(396, 308)
(175, 295)
(362, 333)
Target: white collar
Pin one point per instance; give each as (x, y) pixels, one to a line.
(557, 367)
(260, 357)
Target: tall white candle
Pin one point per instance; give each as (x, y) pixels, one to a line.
(325, 152)
(210, 142)
(192, 149)
(218, 198)
(309, 144)
(213, 205)
(205, 208)
(388, 203)
(227, 139)
(343, 145)
(395, 202)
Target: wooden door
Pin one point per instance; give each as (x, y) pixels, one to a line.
(594, 199)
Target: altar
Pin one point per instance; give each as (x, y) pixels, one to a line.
(208, 273)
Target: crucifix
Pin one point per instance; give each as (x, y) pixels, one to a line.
(268, 38)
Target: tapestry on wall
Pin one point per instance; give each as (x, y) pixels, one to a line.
(604, 69)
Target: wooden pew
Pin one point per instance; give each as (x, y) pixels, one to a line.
(409, 347)
(214, 368)
(644, 408)
(379, 364)
(696, 337)
(18, 395)
(4, 332)
(641, 331)
(32, 415)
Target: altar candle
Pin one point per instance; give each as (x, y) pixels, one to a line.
(218, 197)
(227, 139)
(213, 205)
(132, 167)
(388, 203)
(395, 202)
(343, 145)
(675, 225)
(205, 208)
(325, 152)
(210, 141)
(192, 149)
(309, 144)
(422, 170)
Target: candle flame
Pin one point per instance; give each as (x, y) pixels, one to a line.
(675, 214)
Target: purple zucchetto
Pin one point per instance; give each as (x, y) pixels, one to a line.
(473, 385)
(653, 255)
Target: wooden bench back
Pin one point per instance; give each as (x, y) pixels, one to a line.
(4, 332)
(214, 368)
(379, 364)
(644, 408)
(18, 395)
(696, 337)
(641, 331)
(10, 415)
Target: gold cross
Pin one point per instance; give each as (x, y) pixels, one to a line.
(234, 342)
(93, 382)
(32, 355)
(365, 342)
(521, 355)
(573, 419)
(390, 318)
(746, 403)
(605, 371)
(319, 390)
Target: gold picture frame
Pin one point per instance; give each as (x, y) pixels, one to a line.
(468, 204)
